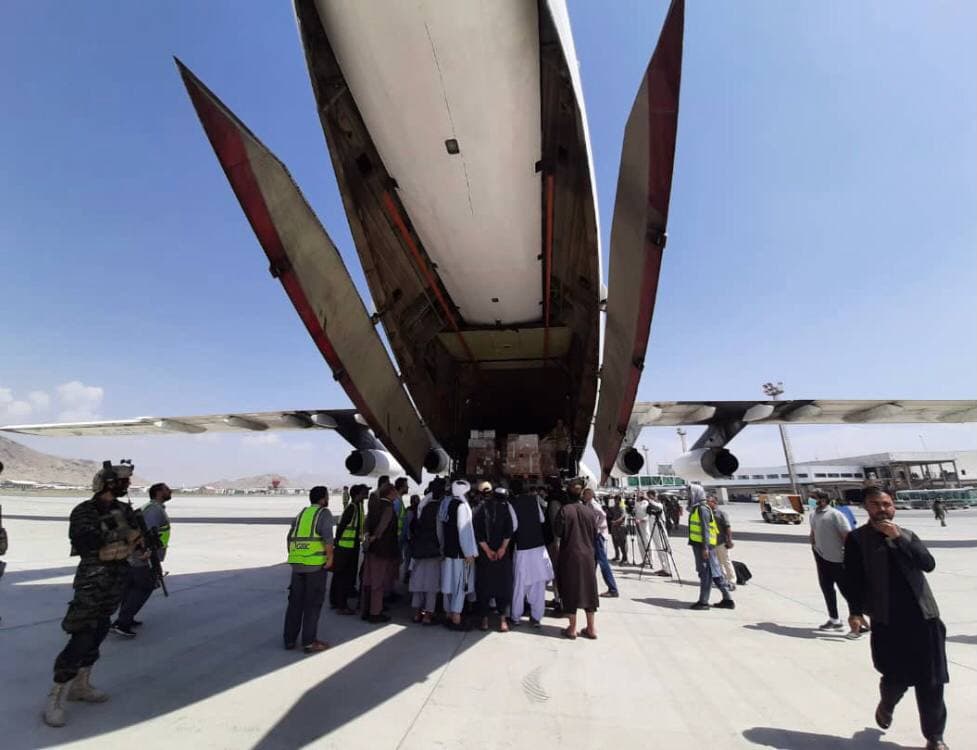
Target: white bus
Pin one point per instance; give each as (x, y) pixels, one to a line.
(963, 497)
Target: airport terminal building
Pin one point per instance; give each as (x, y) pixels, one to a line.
(896, 470)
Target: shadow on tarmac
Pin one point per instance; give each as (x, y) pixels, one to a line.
(970, 640)
(797, 632)
(218, 630)
(788, 739)
(666, 603)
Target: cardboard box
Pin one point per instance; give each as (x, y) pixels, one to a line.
(481, 462)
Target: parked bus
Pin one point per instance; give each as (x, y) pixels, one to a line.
(963, 497)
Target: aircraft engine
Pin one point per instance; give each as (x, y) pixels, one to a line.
(371, 463)
(629, 461)
(437, 461)
(706, 463)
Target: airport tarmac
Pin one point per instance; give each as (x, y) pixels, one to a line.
(207, 669)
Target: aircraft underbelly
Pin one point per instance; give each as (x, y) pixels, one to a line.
(423, 73)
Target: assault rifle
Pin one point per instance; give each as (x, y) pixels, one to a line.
(153, 545)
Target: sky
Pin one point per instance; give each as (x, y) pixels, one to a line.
(822, 232)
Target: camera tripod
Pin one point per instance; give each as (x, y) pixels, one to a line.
(659, 537)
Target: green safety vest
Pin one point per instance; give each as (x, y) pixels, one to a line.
(352, 533)
(401, 516)
(305, 546)
(695, 527)
(163, 529)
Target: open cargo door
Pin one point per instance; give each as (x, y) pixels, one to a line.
(644, 184)
(305, 260)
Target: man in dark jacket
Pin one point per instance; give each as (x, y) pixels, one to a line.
(884, 568)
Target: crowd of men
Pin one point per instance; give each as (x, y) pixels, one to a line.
(489, 552)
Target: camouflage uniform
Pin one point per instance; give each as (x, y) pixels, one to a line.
(98, 582)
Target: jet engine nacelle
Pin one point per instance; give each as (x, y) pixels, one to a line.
(706, 463)
(629, 462)
(437, 461)
(371, 463)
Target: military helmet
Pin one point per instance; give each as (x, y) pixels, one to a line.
(110, 473)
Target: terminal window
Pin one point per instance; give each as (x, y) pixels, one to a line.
(772, 476)
(757, 476)
(820, 476)
(802, 476)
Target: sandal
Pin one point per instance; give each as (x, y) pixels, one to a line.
(567, 633)
(418, 617)
(586, 633)
(315, 647)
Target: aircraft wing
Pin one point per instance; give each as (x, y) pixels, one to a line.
(347, 422)
(306, 262)
(799, 411)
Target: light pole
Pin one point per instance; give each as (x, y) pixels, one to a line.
(774, 391)
(644, 449)
(681, 436)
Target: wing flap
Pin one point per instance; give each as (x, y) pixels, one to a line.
(310, 268)
(803, 411)
(638, 235)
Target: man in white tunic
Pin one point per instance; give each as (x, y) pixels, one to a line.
(458, 548)
(533, 569)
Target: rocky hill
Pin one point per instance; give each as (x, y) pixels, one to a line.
(28, 465)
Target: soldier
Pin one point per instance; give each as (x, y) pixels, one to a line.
(103, 532)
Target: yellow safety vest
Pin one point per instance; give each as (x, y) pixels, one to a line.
(695, 527)
(163, 529)
(305, 546)
(347, 540)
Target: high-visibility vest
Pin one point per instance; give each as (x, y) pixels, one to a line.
(695, 527)
(400, 517)
(352, 533)
(163, 529)
(305, 546)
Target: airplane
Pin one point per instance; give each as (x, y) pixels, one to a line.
(468, 184)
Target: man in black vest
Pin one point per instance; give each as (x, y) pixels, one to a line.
(533, 569)
(884, 567)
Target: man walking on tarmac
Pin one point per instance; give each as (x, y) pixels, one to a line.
(703, 537)
(346, 555)
(141, 580)
(103, 533)
(310, 550)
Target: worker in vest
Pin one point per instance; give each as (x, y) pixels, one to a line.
(310, 550)
(141, 580)
(346, 555)
(703, 537)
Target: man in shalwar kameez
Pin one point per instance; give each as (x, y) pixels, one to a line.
(533, 569)
(458, 549)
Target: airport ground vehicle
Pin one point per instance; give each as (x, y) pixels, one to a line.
(781, 508)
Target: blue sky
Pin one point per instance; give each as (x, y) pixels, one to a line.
(823, 226)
